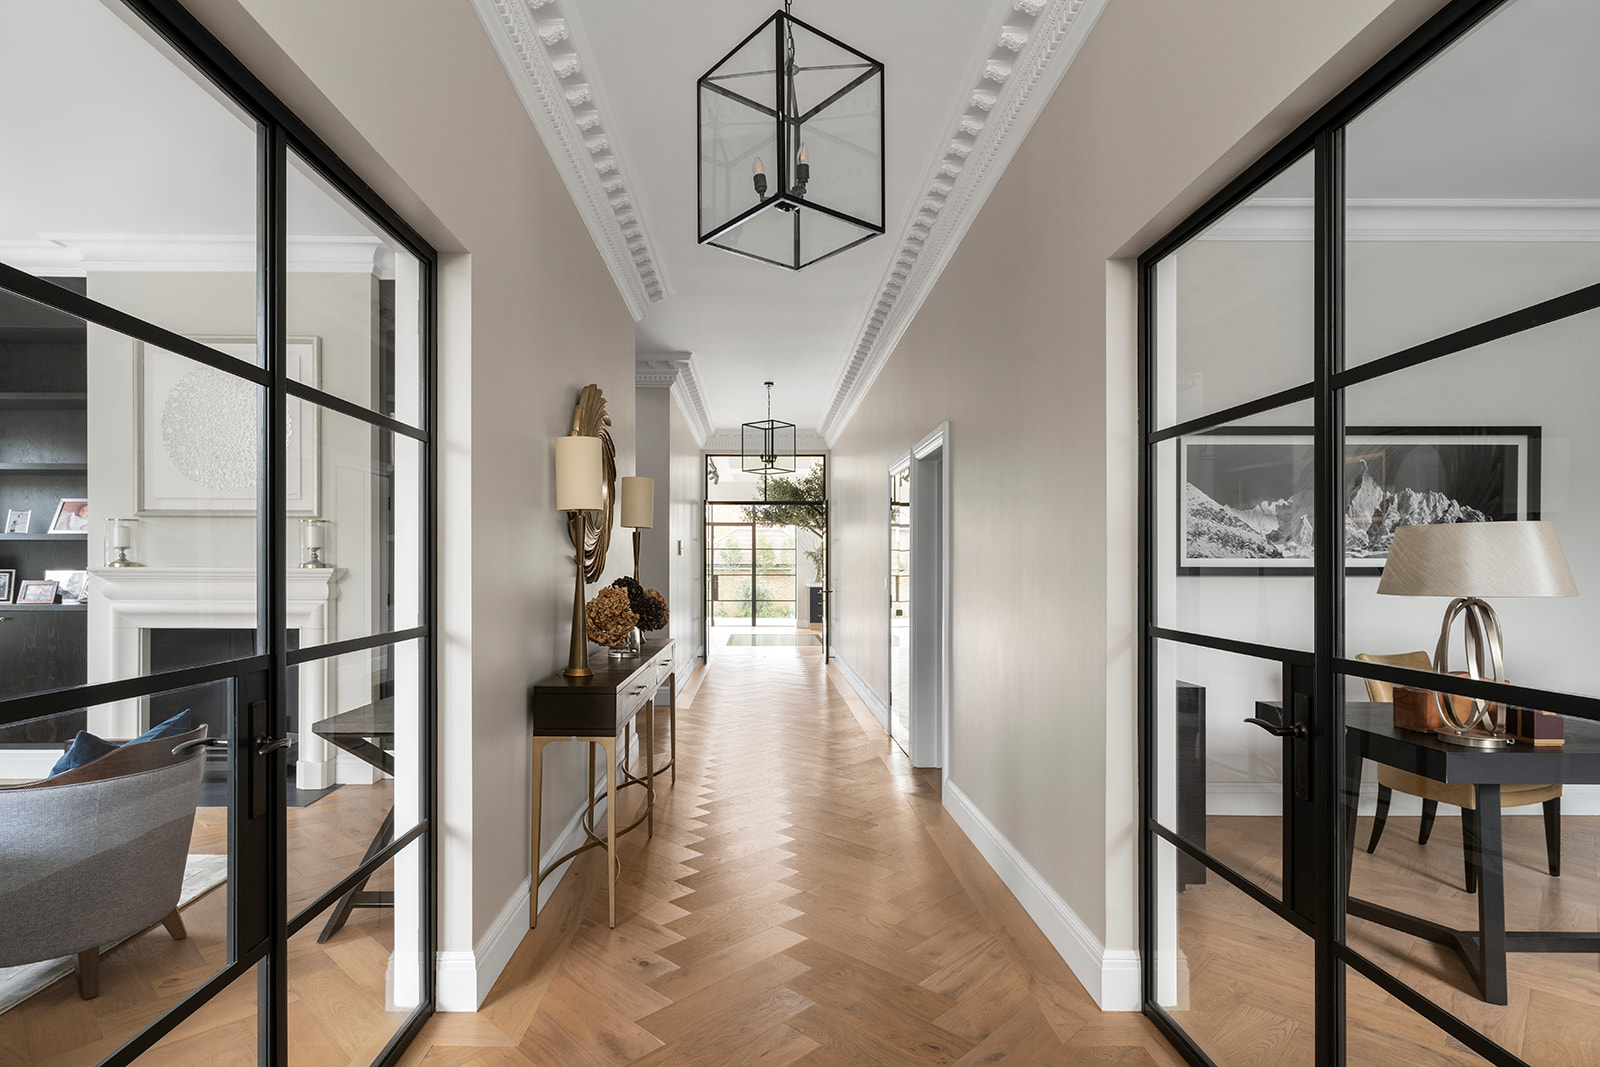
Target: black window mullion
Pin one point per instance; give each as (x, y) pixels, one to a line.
(354, 411)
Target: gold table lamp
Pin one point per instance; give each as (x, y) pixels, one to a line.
(638, 511)
(1468, 562)
(580, 480)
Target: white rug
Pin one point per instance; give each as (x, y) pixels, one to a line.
(202, 873)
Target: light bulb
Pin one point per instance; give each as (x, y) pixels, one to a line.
(802, 157)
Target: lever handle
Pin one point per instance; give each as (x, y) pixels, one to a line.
(266, 745)
(200, 742)
(1297, 731)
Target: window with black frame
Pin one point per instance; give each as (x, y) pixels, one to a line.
(766, 539)
(1369, 530)
(215, 629)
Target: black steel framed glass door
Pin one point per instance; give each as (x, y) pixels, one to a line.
(1380, 335)
(218, 466)
(766, 546)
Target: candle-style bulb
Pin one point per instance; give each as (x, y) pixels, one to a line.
(802, 157)
(760, 179)
(802, 172)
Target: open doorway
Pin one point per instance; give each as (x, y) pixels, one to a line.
(766, 557)
(918, 602)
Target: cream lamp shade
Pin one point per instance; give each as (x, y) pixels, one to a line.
(638, 502)
(1477, 559)
(580, 477)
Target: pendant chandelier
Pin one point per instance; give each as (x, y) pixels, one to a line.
(768, 446)
(791, 146)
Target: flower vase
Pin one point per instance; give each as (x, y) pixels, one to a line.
(630, 645)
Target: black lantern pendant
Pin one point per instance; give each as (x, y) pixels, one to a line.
(791, 146)
(768, 446)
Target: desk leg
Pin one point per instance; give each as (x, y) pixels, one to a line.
(672, 722)
(538, 764)
(1352, 795)
(1491, 897)
(609, 744)
(650, 768)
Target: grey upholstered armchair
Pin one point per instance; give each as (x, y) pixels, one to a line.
(97, 854)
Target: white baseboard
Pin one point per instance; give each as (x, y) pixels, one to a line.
(1266, 798)
(1110, 975)
(465, 978)
(863, 690)
(315, 774)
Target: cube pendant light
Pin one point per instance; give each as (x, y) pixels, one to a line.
(791, 146)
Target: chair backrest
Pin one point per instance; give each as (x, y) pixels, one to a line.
(87, 859)
(1380, 692)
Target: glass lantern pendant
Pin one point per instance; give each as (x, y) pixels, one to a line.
(768, 446)
(791, 146)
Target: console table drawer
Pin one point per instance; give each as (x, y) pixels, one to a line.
(598, 706)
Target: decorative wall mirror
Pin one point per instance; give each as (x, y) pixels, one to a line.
(591, 530)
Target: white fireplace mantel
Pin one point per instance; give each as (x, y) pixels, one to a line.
(126, 603)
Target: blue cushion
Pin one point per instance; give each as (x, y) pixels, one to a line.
(87, 746)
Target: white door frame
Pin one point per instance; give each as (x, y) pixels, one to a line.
(930, 718)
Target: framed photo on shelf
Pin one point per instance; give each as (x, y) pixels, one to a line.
(36, 592)
(8, 586)
(72, 516)
(195, 431)
(1245, 495)
(72, 584)
(17, 521)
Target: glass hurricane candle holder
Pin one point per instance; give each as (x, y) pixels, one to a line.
(314, 537)
(121, 544)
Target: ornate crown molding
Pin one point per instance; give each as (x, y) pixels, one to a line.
(538, 42)
(1033, 46)
(677, 371)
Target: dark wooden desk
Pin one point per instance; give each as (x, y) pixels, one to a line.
(598, 709)
(368, 734)
(1370, 734)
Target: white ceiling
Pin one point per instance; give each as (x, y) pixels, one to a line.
(748, 322)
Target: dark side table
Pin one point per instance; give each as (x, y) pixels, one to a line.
(368, 734)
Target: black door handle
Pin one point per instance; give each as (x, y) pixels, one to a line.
(266, 745)
(1296, 731)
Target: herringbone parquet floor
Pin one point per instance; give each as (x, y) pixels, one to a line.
(805, 900)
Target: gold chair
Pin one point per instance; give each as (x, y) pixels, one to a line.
(1461, 795)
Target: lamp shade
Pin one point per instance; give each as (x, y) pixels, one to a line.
(1477, 559)
(580, 477)
(638, 502)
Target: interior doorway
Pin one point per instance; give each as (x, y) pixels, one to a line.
(919, 604)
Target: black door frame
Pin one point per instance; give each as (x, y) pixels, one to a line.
(1319, 675)
(259, 923)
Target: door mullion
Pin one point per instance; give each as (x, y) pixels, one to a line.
(1328, 716)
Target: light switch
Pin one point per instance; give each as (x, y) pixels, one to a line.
(680, 548)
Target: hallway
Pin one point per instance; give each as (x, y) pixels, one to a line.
(805, 901)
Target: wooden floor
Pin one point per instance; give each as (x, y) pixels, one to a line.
(336, 990)
(805, 900)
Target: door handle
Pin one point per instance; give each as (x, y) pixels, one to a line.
(1294, 730)
(266, 745)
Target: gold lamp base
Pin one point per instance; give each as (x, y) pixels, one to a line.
(1485, 661)
(578, 653)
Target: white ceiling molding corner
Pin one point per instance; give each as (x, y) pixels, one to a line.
(539, 44)
(676, 371)
(1034, 44)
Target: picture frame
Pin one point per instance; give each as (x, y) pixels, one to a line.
(195, 431)
(72, 516)
(72, 585)
(8, 586)
(1244, 494)
(18, 520)
(37, 591)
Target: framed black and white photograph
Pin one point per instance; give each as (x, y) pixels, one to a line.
(71, 584)
(17, 521)
(8, 586)
(1246, 496)
(36, 592)
(72, 516)
(195, 433)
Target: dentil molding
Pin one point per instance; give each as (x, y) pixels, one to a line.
(1034, 43)
(539, 43)
(677, 371)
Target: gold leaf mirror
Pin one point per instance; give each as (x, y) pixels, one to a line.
(591, 530)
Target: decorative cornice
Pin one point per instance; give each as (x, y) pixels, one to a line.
(539, 43)
(676, 371)
(1289, 219)
(1033, 46)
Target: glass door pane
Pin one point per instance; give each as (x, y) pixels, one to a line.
(900, 606)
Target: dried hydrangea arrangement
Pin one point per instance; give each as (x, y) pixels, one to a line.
(609, 616)
(652, 611)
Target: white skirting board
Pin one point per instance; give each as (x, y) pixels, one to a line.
(465, 978)
(863, 690)
(1110, 975)
(1266, 798)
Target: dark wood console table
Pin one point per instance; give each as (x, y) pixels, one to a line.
(368, 734)
(598, 710)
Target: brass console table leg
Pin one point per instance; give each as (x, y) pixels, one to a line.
(610, 746)
(538, 761)
(672, 723)
(649, 768)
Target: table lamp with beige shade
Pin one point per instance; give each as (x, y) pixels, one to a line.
(638, 511)
(1470, 562)
(580, 487)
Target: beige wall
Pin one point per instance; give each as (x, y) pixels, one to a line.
(1026, 347)
(412, 94)
(686, 543)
